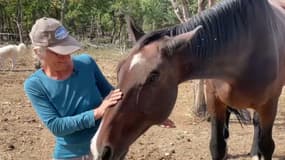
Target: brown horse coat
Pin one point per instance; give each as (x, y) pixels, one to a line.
(238, 46)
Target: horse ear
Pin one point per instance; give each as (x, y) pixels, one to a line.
(178, 40)
(134, 32)
(188, 35)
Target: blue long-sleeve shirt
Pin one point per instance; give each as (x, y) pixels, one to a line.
(67, 106)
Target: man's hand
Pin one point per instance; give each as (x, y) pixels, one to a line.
(109, 101)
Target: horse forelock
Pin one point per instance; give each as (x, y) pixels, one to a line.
(137, 66)
(151, 37)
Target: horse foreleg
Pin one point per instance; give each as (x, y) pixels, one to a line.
(263, 143)
(255, 152)
(218, 145)
(218, 112)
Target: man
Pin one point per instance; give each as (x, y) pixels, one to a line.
(69, 93)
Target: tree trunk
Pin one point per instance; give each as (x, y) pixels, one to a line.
(181, 10)
(211, 3)
(185, 10)
(18, 19)
(203, 3)
(19, 30)
(91, 36)
(63, 4)
(100, 31)
(200, 106)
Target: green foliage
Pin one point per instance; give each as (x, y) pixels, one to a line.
(80, 15)
(157, 14)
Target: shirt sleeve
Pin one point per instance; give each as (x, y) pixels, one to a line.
(59, 126)
(102, 83)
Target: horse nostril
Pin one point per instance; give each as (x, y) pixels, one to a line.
(107, 153)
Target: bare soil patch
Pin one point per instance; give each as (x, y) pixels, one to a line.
(23, 136)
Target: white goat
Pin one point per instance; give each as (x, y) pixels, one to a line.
(10, 52)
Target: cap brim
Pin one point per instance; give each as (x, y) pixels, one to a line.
(67, 46)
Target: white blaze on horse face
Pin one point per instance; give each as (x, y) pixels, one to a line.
(93, 145)
(137, 59)
(142, 64)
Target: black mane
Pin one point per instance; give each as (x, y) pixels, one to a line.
(222, 24)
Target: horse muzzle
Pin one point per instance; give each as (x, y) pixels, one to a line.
(109, 154)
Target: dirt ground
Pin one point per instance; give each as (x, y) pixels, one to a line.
(23, 136)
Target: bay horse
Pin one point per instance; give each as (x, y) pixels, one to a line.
(238, 45)
(242, 115)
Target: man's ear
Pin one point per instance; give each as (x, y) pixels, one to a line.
(38, 52)
(35, 51)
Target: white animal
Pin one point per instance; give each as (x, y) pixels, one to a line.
(10, 52)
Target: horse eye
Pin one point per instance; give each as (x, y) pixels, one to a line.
(153, 76)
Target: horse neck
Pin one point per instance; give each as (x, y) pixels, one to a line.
(223, 47)
(224, 64)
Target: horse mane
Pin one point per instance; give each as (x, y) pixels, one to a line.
(223, 23)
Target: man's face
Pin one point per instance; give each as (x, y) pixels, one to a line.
(58, 62)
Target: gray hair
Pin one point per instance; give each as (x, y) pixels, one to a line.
(38, 53)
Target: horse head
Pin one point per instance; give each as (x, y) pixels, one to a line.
(149, 79)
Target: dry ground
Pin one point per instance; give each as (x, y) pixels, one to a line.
(23, 137)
